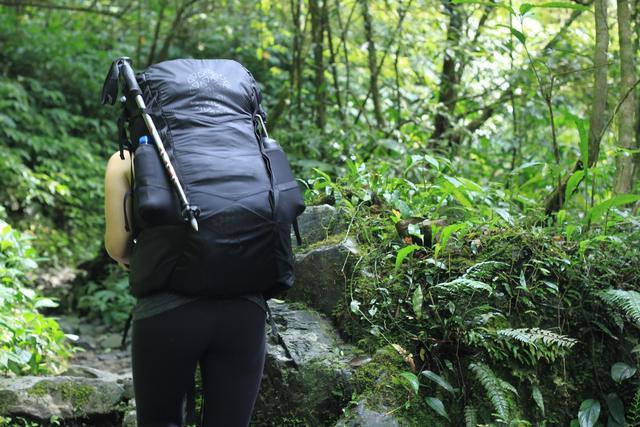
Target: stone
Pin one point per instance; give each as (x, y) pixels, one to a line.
(321, 275)
(111, 341)
(307, 378)
(94, 393)
(362, 416)
(316, 223)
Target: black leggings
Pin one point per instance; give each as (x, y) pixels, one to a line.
(227, 338)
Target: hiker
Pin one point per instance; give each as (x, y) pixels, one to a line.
(206, 234)
(172, 333)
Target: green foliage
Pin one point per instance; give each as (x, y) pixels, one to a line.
(627, 302)
(52, 178)
(110, 301)
(30, 343)
(499, 392)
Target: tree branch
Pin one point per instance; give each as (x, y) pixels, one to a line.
(69, 8)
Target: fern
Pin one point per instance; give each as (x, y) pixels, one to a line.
(534, 336)
(484, 269)
(470, 416)
(498, 390)
(463, 284)
(625, 301)
(471, 280)
(634, 410)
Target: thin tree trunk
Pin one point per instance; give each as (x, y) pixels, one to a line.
(626, 127)
(600, 88)
(332, 56)
(344, 28)
(317, 36)
(294, 76)
(598, 107)
(402, 12)
(175, 28)
(156, 34)
(373, 62)
(449, 77)
(636, 48)
(397, 97)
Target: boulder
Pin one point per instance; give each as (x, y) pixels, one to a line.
(82, 392)
(307, 378)
(321, 275)
(317, 223)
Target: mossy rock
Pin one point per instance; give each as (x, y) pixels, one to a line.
(64, 396)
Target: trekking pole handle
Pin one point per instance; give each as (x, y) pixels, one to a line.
(129, 77)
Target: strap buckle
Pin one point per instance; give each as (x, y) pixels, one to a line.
(262, 125)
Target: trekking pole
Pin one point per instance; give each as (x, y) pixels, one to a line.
(122, 68)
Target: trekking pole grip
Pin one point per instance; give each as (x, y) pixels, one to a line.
(129, 77)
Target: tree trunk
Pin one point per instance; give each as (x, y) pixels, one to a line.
(600, 89)
(317, 36)
(598, 107)
(296, 53)
(449, 77)
(176, 25)
(332, 56)
(373, 62)
(156, 34)
(626, 127)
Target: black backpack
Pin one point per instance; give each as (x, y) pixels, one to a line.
(208, 115)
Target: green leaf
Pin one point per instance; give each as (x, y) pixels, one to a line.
(525, 7)
(572, 183)
(437, 405)
(537, 397)
(412, 379)
(416, 301)
(355, 306)
(404, 252)
(621, 371)
(564, 5)
(619, 200)
(616, 409)
(519, 35)
(589, 413)
(45, 302)
(438, 380)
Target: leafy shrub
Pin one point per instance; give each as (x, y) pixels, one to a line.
(110, 302)
(506, 309)
(30, 343)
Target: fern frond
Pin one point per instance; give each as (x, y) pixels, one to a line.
(496, 389)
(483, 269)
(626, 301)
(534, 336)
(470, 416)
(462, 284)
(634, 410)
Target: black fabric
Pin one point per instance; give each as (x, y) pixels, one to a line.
(205, 112)
(225, 336)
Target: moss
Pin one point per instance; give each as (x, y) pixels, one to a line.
(377, 383)
(332, 239)
(77, 394)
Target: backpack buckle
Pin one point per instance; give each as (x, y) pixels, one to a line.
(262, 125)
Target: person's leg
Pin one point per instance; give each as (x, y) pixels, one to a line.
(165, 351)
(233, 364)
